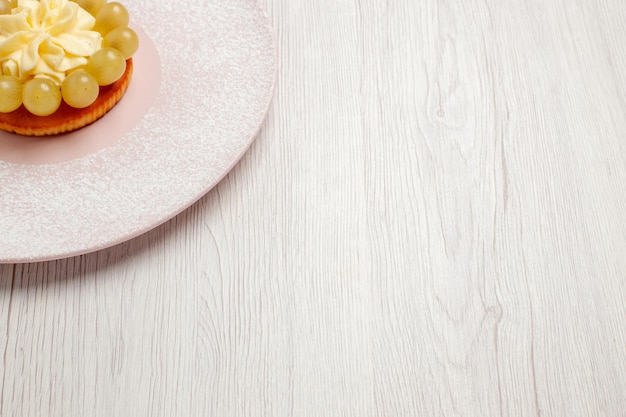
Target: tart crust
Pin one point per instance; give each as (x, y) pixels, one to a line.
(66, 118)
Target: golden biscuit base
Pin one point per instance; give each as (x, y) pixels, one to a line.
(67, 118)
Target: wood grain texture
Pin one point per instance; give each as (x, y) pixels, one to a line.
(432, 222)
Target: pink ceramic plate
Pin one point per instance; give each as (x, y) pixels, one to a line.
(204, 78)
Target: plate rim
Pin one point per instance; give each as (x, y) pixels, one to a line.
(164, 218)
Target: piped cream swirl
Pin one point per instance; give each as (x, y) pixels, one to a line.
(47, 38)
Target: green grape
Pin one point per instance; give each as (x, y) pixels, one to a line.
(123, 39)
(10, 93)
(5, 7)
(80, 89)
(107, 65)
(41, 96)
(92, 6)
(111, 15)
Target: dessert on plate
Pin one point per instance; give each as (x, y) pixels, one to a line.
(63, 63)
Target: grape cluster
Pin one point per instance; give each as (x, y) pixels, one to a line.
(80, 88)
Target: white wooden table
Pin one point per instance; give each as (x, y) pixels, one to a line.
(432, 222)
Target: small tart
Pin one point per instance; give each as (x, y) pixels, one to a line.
(66, 118)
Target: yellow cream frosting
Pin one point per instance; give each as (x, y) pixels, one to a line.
(46, 38)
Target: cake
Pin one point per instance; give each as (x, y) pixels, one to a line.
(63, 63)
